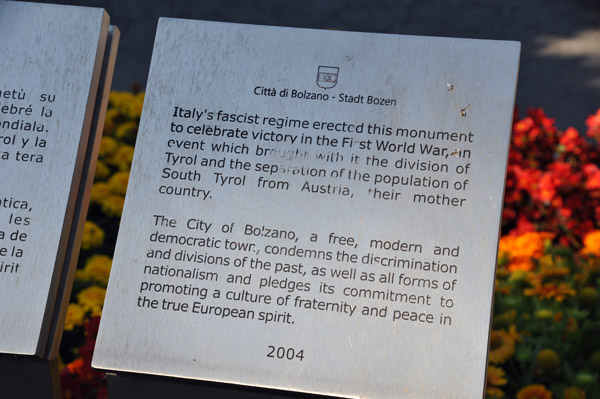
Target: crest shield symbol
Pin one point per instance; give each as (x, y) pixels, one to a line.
(327, 76)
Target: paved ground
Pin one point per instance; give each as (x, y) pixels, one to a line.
(560, 61)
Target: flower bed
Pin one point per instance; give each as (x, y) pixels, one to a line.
(545, 340)
(78, 379)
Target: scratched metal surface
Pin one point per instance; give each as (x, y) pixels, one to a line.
(56, 50)
(445, 84)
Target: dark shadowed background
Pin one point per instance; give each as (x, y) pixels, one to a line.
(560, 59)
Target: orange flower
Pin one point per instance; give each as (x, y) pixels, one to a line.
(534, 392)
(523, 264)
(75, 366)
(521, 249)
(532, 244)
(513, 334)
(502, 346)
(550, 291)
(591, 243)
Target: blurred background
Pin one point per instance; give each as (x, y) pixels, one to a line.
(560, 59)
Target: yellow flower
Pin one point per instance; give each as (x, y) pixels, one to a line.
(97, 268)
(547, 359)
(128, 103)
(518, 275)
(574, 393)
(118, 182)
(120, 99)
(93, 235)
(113, 205)
(551, 269)
(97, 311)
(109, 122)
(61, 364)
(494, 393)
(588, 296)
(75, 316)
(554, 291)
(591, 243)
(546, 261)
(123, 157)
(496, 376)
(102, 171)
(502, 272)
(502, 346)
(136, 105)
(534, 392)
(108, 146)
(92, 298)
(100, 191)
(512, 333)
(80, 275)
(505, 319)
(126, 130)
(544, 314)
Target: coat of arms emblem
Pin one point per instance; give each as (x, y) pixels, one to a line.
(327, 76)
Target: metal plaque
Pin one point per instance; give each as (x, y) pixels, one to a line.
(314, 211)
(51, 72)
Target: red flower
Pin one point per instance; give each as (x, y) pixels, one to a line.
(593, 124)
(592, 174)
(553, 183)
(571, 141)
(78, 378)
(540, 117)
(527, 179)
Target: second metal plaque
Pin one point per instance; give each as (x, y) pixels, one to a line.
(314, 211)
(51, 72)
